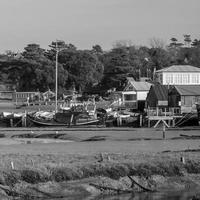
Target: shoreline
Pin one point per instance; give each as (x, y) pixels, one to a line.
(97, 163)
(71, 178)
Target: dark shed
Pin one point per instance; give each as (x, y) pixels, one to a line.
(157, 96)
(185, 96)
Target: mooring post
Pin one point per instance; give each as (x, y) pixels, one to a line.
(25, 118)
(182, 159)
(140, 120)
(163, 131)
(11, 122)
(12, 165)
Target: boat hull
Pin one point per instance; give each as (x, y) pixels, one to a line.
(39, 122)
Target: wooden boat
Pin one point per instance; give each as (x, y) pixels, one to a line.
(8, 119)
(63, 119)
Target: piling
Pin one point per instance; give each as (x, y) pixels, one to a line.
(163, 131)
(140, 120)
(11, 122)
(24, 120)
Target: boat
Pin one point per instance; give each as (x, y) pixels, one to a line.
(10, 119)
(69, 119)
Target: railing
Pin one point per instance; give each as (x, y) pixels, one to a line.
(175, 111)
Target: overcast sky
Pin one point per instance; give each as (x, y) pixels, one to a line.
(88, 22)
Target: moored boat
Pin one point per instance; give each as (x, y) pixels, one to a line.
(62, 118)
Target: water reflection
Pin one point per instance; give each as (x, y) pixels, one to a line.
(142, 196)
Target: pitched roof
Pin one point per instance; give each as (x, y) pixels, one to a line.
(141, 86)
(138, 85)
(161, 92)
(188, 90)
(180, 68)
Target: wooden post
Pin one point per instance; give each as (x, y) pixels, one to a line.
(24, 122)
(11, 122)
(71, 119)
(182, 159)
(149, 123)
(140, 120)
(119, 121)
(173, 122)
(163, 131)
(12, 165)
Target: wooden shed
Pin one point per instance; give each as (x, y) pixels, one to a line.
(185, 96)
(157, 96)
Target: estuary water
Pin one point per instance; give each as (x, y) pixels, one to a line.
(167, 195)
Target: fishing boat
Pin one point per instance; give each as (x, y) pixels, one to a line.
(69, 119)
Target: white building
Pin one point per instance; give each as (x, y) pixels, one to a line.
(135, 93)
(178, 75)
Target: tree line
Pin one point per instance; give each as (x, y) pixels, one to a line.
(92, 69)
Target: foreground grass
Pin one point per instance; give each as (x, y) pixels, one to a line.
(37, 169)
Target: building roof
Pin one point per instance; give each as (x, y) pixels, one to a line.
(188, 90)
(180, 68)
(137, 85)
(141, 86)
(161, 92)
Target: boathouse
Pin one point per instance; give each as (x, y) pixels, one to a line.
(185, 97)
(157, 96)
(135, 93)
(178, 75)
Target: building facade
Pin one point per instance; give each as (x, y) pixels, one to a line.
(135, 93)
(178, 75)
(185, 97)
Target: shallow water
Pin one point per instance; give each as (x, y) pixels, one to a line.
(168, 195)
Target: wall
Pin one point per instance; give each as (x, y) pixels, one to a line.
(181, 78)
(142, 95)
(131, 103)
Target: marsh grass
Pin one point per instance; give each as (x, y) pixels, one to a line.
(44, 168)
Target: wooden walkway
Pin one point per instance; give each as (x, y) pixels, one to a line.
(167, 118)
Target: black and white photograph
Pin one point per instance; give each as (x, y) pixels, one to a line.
(100, 100)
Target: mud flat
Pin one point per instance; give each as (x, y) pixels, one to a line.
(96, 164)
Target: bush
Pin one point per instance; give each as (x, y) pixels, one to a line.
(192, 167)
(33, 176)
(63, 174)
(9, 177)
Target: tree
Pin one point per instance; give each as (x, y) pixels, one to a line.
(83, 66)
(187, 40)
(97, 49)
(157, 43)
(195, 43)
(33, 51)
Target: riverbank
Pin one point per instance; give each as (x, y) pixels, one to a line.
(52, 177)
(85, 164)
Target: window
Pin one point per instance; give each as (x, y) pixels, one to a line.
(130, 97)
(169, 78)
(195, 78)
(185, 78)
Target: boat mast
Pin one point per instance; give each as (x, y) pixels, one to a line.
(56, 87)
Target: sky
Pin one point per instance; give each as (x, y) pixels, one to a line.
(85, 23)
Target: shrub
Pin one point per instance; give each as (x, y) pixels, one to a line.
(33, 176)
